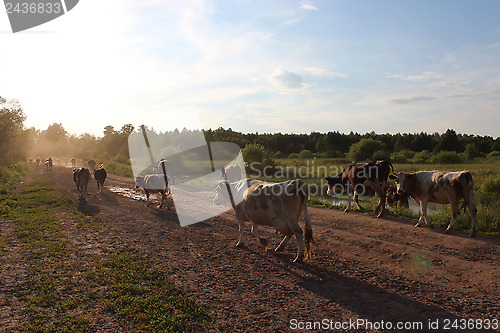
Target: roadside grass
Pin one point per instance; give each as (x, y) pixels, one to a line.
(67, 288)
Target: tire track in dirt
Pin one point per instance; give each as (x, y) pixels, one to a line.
(364, 267)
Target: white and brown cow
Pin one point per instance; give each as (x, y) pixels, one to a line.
(81, 178)
(154, 184)
(277, 205)
(442, 188)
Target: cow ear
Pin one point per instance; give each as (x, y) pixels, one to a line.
(328, 179)
(393, 177)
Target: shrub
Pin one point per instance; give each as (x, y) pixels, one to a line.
(306, 154)
(494, 155)
(491, 186)
(402, 156)
(423, 156)
(447, 157)
(366, 149)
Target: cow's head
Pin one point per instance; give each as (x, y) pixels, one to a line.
(400, 179)
(332, 182)
(139, 182)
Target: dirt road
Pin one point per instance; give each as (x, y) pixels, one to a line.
(379, 270)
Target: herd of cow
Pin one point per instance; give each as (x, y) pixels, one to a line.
(280, 205)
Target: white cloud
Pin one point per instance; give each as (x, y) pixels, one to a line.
(416, 77)
(308, 4)
(316, 71)
(287, 82)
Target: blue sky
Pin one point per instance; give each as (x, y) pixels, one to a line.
(261, 66)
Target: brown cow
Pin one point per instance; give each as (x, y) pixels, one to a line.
(442, 188)
(357, 176)
(81, 178)
(277, 205)
(395, 199)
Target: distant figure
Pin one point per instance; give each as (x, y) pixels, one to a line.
(100, 176)
(91, 164)
(37, 162)
(73, 163)
(48, 163)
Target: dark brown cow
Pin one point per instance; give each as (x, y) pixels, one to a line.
(442, 188)
(81, 178)
(395, 199)
(356, 176)
(100, 176)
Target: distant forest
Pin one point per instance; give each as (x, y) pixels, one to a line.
(19, 143)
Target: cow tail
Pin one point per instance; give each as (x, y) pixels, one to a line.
(308, 236)
(468, 193)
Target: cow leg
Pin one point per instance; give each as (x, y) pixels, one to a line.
(349, 197)
(356, 200)
(147, 198)
(423, 214)
(256, 234)
(297, 231)
(455, 211)
(284, 241)
(381, 205)
(240, 229)
(163, 198)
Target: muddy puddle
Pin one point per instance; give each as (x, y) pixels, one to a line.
(128, 192)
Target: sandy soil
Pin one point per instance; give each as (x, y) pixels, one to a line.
(377, 269)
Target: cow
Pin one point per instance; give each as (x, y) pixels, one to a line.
(232, 173)
(277, 205)
(395, 199)
(442, 188)
(154, 184)
(48, 163)
(81, 178)
(91, 164)
(357, 176)
(100, 176)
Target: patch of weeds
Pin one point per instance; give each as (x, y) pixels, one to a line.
(146, 297)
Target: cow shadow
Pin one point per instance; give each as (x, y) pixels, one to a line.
(367, 301)
(88, 210)
(440, 229)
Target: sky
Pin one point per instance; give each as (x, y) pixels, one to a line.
(260, 66)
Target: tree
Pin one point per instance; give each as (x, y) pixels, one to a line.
(127, 129)
(12, 138)
(365, 149)
(109, 130)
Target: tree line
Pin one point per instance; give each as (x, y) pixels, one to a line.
(20, 143)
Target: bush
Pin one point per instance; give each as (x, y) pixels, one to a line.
(494, 155)
(402, 156)
(306, 154)
(253, 153)
(423, 156)
(367, 149)
(447, 157)
(491, 186)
